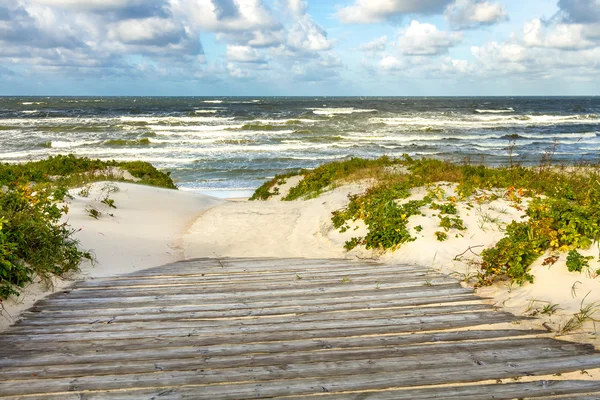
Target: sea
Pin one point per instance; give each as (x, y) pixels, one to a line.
(227, 146)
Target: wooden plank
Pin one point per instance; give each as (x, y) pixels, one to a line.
(307, 378)
(74, 325)
(266, 276)
(409, 323)
(233, 302)
(356, 291)
(257, 343)
(228, 310)
(175, 361)
(252, 291)
(295, 284)
(285, 280)
(116, 324)
(446, 341)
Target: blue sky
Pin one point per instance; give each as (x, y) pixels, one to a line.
(300, 47)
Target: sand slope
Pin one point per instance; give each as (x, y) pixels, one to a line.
(144, 231)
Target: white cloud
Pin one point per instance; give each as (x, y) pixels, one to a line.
(298, 7)
(391, 63)
(470, 14)
(245, 54)
(227, 16)
(376, 45)
(562, 36)
(370, 11)
(426, 39)
(306, 35)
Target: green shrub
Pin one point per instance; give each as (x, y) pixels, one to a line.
(318, 179)
(33, 241)
(67, 170)
(576, 262)
(264, 191)
(567, 216)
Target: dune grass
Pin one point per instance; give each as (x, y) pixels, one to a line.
(563, 209)
(33, 240)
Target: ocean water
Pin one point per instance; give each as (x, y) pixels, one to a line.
(233, 144)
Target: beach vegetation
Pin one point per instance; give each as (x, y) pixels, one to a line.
(269, 188)
(35, 243)
(441, 236)
(577, 262)
(71, 171)
(561, 206)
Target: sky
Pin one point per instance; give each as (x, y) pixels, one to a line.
(300, 47)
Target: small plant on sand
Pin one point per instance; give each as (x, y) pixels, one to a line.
(109, 202)
(452, 223)
(85, 190)
(576, 262)
(585, 314)
(93, 212)
(441, 236)
(444, 208)
(264, 191)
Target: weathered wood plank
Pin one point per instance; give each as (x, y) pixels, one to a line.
(217, 276)
(300, 329)
(307, 378)
(235, 303)
(194, 358)
(366, 292)
(253, 343)
(339, 284)
(222, 321)
(229, 310)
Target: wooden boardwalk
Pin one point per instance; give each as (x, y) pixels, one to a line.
(282, 328)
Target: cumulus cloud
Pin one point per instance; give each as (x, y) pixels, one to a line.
(471, 14)
(376, 45)
(80, 37)
(245, 54)
(390, 63)
(306, 35)
(224, 16)
(425, 39)
(298, 7)
(370, 11)
(563, 36)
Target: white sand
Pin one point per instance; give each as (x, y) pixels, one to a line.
(153, 226)
(145, 231)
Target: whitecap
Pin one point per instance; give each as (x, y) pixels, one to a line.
(157, 120)
(213, 101)
(497, 111)
(64, 144)
(335, 111)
